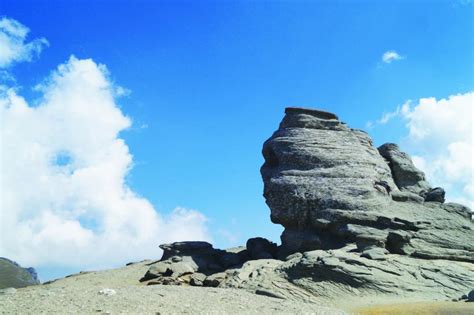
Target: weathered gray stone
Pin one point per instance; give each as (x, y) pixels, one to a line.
(435, 194)
(337, 272)
(197, 279)
(156, 270)
(261, 248)
(405, 174)
(181, 268)
(406, 196)
(375, 253)
(310, 167)
(230, 259)
(329, 187)
(215, 279)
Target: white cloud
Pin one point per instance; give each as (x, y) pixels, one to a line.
(64, 197)
(13, 47)
(440, 137)
(386, 117)
(390, 56)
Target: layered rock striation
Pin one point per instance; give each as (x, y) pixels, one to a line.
(329, 187)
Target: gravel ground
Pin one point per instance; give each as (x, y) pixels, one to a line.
(419, 308)
(80, 294)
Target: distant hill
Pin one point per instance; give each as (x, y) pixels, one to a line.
(13, 275)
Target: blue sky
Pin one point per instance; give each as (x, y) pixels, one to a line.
(209, 82)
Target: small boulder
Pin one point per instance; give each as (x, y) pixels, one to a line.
(470, 296)
(261, 248)
(181, 268)
(157, 270)
(197, 279)
(435, 194)
(215, 280)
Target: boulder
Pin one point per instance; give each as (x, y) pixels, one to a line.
(197, 279)
(261, 248)
(435, 194)
(215, 279)
(181, 268)
(405, 174)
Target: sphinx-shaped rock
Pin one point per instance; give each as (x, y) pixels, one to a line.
(329, 187)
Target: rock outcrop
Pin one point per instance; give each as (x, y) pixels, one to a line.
(329, 187)
(359, 222)
(12, 275)
(199, 264)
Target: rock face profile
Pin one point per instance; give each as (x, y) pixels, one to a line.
(359, 222)
(329, 187)
(13, 275)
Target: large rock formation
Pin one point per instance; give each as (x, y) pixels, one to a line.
(329, 186)
(13, 275)
(359, 222)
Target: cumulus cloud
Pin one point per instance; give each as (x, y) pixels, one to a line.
(13, 45)
(390, 56)
(440, 137)
(64, 197)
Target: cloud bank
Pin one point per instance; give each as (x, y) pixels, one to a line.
(440, 136)
(64, 196)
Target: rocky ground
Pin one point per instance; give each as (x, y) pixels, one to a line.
(118, 291)
(87, 294)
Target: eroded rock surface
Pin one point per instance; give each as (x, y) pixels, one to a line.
(199, 264)
(329, 186)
